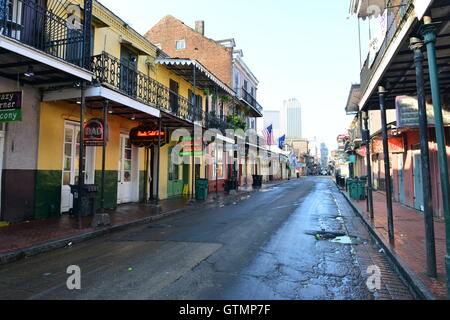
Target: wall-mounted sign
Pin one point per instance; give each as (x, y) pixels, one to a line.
(362, 151)
(11, 106)
(148, 136)
(396, 145)
(408, 112)
(94, 133)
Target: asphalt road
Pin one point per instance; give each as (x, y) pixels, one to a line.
(263, 247)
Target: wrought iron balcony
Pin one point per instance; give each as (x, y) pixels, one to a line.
(111, 72)
(397, 14)
(33, 25)
(246, 96)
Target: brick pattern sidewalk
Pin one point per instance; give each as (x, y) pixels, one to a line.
(32, 233)
(409, 228)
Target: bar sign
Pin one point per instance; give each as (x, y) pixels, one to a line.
(11, 106)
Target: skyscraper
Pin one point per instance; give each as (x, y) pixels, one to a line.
(291, 118)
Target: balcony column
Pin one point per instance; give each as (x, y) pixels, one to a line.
(387, 166)
(105, 130)
(429, 33)
(158, 161)
(369, 165)
(416, 47)
(87, 25)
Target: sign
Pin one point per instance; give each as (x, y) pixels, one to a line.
(396, 145)
(11, 106)
(408, 112)
(376, 42)
(94, 133)
(148, 136)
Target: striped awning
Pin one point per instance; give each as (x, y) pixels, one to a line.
(185, 69)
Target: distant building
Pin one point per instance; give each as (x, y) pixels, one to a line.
(324, 155)
(291, 118)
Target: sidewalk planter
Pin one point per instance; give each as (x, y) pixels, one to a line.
(88, 195)
(201, 189)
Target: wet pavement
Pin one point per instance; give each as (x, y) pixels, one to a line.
(297, 241)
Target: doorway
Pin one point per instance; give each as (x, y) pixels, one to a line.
(70, 171)
(128, 72)
(126, 174)
(401, 178)
(418, 182)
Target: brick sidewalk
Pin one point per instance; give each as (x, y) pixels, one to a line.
(409, 228)
(28, 234)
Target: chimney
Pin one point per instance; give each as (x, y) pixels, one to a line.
(200, 27)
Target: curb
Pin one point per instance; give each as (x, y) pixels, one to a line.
(76, 239)
(409, 277)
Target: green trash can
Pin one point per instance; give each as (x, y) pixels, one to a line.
(360, 190)
(201, 189)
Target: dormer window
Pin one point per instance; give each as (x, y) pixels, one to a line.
(180, 45)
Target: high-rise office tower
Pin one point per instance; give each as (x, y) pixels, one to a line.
(291, 118)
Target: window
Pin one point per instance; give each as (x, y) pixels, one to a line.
(180, 44)
(252, 91)
(245, 85)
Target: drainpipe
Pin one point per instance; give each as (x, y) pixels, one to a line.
(416, 46)
(369, 165)
(105, 130)
(81, 152)
(387, 167)
(429, 33)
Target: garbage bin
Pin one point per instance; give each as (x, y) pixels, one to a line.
(88, 194)
(257, 181)
(201, 189)
(360, 190)
(231, 184)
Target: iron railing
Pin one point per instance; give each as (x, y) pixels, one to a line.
(397, 13)
(109, 70)
(35, 26)
(251, 100)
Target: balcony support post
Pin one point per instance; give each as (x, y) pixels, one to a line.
(81, 152)
(87, 25)
(387, 166)
(429, 33)
(369, 165)
(416, 47)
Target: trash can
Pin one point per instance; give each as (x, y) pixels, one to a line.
(201, 189)
(257, 181)
(360, 190)
(231, 184)
(88, 194)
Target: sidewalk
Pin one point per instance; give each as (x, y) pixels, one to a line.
(32, 237)
(409, 239)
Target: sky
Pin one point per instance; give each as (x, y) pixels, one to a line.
(301, 49)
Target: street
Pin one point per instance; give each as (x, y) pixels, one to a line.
(268, 246)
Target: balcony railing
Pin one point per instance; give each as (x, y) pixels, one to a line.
(397, 13)
(251, 100)
(35, 26)
(119, 76)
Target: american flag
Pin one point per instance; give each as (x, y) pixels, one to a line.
(268, 135)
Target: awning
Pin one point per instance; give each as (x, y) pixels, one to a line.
(367, 8)
(203, 77)
(354, 98)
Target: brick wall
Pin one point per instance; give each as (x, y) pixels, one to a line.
(213, 56)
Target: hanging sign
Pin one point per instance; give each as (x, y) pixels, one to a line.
(94, 133)
(11, 106)
(148, 136)
(407, 108)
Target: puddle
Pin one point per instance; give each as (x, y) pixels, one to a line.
(347, 240)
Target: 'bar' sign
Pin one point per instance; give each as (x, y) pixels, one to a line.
(11, 106)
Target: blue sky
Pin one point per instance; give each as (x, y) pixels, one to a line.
(296, 48)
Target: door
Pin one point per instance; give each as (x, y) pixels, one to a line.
(2, 143)
(71, 164)
(173, 96)
(128, 72)
(401, 179)
(418, 191)
(125, 181)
